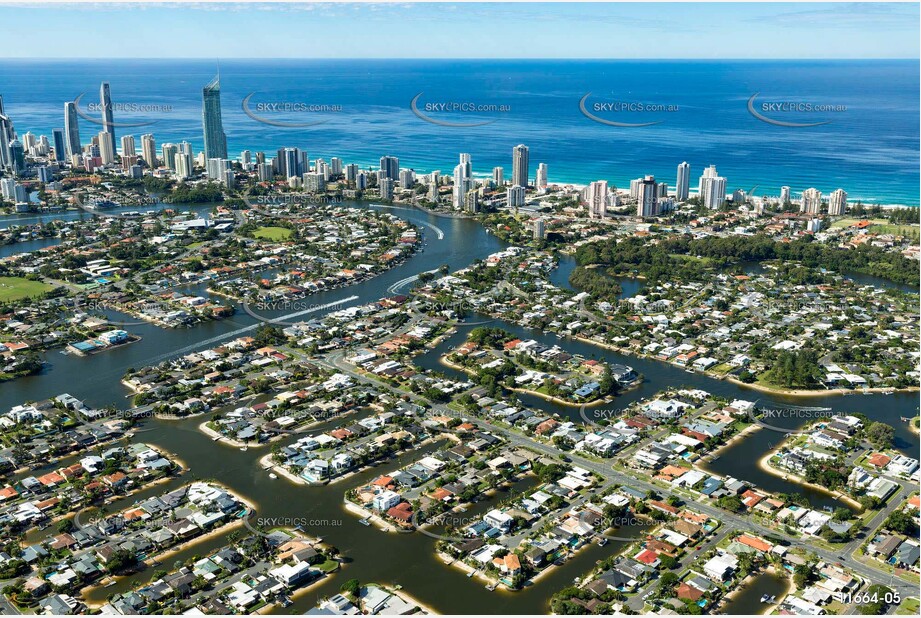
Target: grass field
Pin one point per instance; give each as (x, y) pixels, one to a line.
(273, 233)
(16, 288)
(882, 226)
(909, 607)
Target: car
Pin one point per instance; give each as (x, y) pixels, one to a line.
(566, 458)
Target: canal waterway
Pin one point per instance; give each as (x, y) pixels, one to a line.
(375, 556)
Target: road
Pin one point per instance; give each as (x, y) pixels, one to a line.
(736, 521)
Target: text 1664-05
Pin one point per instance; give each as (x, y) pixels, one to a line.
(862, 598)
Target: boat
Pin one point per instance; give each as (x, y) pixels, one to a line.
(364, 522)
(602, 542)
(764, 598)
(471, 573)
(243, 448)
(272, 475)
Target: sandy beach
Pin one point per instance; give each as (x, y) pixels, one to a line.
(757, 387)
(595, 402)
(764, 464)
(266, 463)
(817, 392)
(375, 520)
(715, 453)
(466, 568)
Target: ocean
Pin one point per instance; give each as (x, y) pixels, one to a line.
(359, 110)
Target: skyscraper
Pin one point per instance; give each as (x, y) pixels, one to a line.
(498, 176)
(59, 147)
(597, 199)
(467, 162)
(390, 167)
(183, 165)
(17, 157)
(291, 162)
(683, 182)
(514, 196)
(540, 181)
(784, 194)
(812, 201)
(128, 147)
(71, 128)
(7, 135)
(386, 188)
(712, 188)
(106, 148)
(462, 182)
(837, 203)
(646, 197)
(108, 118)
(169, 155)
(520, 165)
(149, 150)
(215, 139)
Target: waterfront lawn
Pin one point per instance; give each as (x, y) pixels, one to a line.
(274, 233)
(328, 566)
(17, 288)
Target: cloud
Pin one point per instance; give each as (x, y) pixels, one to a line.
(846, 15)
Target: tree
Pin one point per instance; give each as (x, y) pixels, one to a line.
(903, 523)
(352, 587)
(879, 435)
(875, 601)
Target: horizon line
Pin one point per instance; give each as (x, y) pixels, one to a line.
(491, 58)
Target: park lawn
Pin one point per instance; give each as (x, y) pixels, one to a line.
(274, 233)
(909, 607)
(849, 221)
(897, 230)
(881, 226)
(17, 288)
(690, 258)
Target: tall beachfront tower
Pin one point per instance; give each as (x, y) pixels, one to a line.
(71, 129)
(108, 115)
(215, 138)
(682, 186)
(520, 165)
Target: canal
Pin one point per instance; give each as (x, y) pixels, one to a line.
(372, 555)
(751, 599)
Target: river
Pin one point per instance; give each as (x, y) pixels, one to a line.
(375, 556)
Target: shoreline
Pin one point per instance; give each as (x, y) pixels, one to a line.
(591, 404)
(462, 566)
(817, 393)
(770, 569)
(765, 466)
(266, 464)
(151, 561)
(222, 439)
(737, 437)
(405, 596)
(757, 387)
(372, 518)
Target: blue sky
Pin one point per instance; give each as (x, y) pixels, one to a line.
(461, 30)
